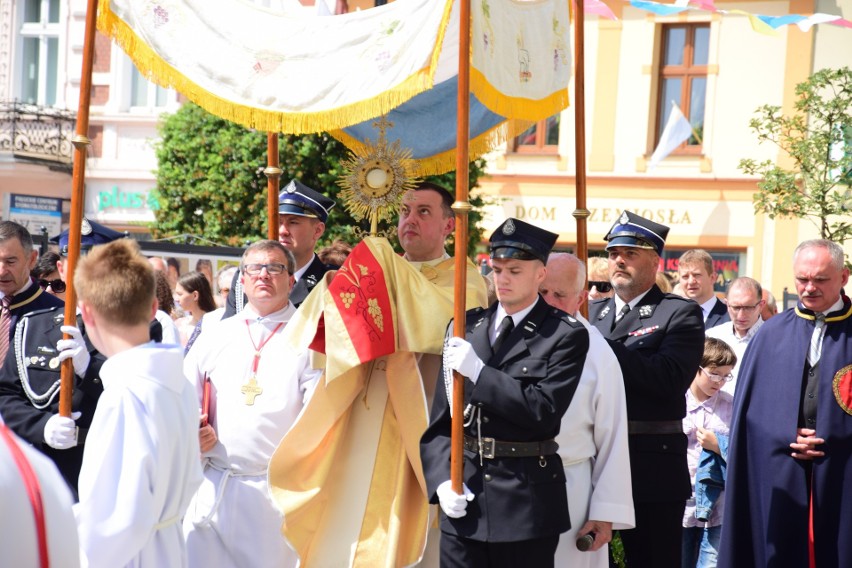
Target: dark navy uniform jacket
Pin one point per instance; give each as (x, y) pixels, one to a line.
(316, 270)
(659, 344)
(520, 396)
(30, 300)
(29, 387)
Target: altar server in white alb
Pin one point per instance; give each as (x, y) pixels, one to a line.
(251, 385)
(593, 437)
(140, 465)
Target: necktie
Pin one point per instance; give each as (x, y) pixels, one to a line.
(621, 313)
(5, 324)
(502, 332)
(815, 348)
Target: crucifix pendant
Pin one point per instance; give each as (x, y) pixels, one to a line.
(251, 390)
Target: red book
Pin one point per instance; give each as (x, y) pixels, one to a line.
(205, 400)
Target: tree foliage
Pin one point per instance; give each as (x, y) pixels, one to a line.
(817, 137)
(210, 180)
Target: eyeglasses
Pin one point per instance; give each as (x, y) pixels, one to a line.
(717, 378)
(744, 309)
(273, 269)
(603, 287)
(58, 286)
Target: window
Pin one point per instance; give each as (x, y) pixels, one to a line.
(143, 95)
(683, 79)
(540, 138)
(40, 52)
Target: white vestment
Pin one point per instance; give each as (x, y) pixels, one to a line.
(18, 539)
(593, 447)
(140, 466)
(232, 522)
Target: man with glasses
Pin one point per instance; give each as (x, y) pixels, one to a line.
(29, 378)
(658, 339)
(744, 301)
(787, 501)
(251, 386)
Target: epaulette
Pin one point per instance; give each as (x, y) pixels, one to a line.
(670, 296)
(567, 318)
(43, 311)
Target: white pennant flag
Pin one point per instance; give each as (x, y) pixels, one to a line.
(676, 131)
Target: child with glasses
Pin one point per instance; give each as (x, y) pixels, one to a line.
(706, 425)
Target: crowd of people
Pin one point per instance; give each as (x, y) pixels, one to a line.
(298, 409)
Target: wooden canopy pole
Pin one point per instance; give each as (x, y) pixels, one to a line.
(461, 207)
(581, 214)
(81, 144)
(273, 174)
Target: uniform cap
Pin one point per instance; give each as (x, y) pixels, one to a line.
(298, 199)
(632, 230)
(520, 240)
(91, 234)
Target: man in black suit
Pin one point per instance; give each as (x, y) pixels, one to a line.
(29, 379)
(658, 339)
(19, 292)
(522, 360)
(302, 214)
(697, 277)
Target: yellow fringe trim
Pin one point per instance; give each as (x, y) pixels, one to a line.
(445, 161)
(516, 107)
(156, 69)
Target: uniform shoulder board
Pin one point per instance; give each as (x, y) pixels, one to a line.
(670, 296)
(59, 309)
(567, 318)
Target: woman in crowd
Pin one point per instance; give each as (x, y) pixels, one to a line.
(46, 275)
(195, 298)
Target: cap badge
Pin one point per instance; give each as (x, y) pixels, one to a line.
(509, 227)
(291, 188)
(624, 219)
(86, 227)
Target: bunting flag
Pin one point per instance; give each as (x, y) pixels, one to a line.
(285, 71)
(759, 23)
(676, 131)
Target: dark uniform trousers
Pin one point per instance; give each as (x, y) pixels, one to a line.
(520, 505)
(659, 344)
(310, 278)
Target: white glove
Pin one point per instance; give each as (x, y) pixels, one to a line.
(60, 432)
(461, 357)
(75, 348)
(453, 504)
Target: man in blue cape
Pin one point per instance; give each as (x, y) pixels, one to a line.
(791, 440)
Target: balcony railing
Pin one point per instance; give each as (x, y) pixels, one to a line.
(37, 133)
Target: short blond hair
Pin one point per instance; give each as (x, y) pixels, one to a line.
(117, 282)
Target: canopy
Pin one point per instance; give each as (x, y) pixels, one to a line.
(285, 71)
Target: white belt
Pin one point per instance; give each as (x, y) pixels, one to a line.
(228, 473)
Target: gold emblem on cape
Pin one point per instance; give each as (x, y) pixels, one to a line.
(375, 178)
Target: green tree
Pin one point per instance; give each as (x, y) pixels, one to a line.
(210, 180)
(818, 138)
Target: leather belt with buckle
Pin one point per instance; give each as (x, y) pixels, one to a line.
(654, 427)
(492, 448)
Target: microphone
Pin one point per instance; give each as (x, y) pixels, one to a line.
(585, 542)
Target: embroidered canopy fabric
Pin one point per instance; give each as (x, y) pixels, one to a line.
(284, 71)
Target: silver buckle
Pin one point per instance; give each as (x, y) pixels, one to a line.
(486, 448)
